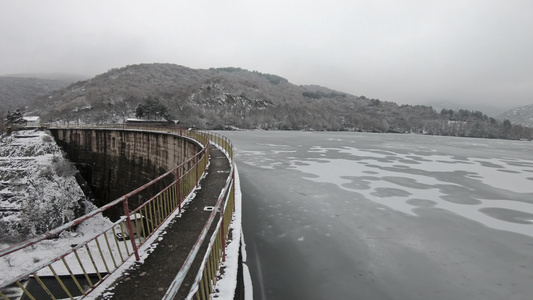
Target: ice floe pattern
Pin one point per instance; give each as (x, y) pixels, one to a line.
(477, 179)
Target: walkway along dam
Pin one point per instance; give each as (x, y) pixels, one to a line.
(165, 192)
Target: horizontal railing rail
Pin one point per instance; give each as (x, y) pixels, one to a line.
(206, 277)
(208, 273)
(91, 260)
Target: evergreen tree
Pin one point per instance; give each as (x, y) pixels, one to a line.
(152, 109)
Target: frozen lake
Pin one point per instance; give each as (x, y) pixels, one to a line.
(386, 216)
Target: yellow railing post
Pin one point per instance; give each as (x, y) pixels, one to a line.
(178, 188)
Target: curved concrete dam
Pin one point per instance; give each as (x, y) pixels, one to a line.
(115, 162)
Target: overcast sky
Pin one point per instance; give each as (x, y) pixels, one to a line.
(409, 52)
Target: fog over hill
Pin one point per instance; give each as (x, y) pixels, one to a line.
(17, 90)
(231, 97)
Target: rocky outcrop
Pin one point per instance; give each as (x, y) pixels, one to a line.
(38, 189)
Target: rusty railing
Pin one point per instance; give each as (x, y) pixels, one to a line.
(83, 266)
(222, 213)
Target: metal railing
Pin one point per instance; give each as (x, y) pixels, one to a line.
(222, 213)
(208, 273)
(80, 268)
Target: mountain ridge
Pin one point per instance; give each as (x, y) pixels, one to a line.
(18, 92)
(231, 97)
(522, 115)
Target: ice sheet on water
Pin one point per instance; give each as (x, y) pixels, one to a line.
(480, 180)
(427, 241)
(440, 179)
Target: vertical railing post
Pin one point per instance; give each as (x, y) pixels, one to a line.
(196, 168)
(130, 228)
(178, 188)
(233, 187)
(222, 227)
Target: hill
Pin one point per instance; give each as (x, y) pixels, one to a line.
(522, 115)
(18, 90)
(234, 97)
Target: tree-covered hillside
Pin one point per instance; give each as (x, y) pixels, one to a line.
(233, 97)
(521, 115)
(17, 92)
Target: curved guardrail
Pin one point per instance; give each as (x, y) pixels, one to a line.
(206, 277)
(90, 262)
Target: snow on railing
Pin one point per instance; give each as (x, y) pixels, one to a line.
(82, 264)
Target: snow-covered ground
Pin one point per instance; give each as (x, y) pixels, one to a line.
(38, 193)
(38, 190)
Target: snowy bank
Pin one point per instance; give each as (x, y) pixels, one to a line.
(38, 190)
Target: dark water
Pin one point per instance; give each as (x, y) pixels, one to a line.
(379, 216)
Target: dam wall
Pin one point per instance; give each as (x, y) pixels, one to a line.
(115, 162)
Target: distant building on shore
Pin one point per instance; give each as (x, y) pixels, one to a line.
(32, 121)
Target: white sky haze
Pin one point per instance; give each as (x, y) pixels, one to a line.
(409, 52)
